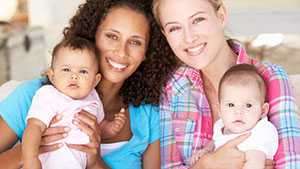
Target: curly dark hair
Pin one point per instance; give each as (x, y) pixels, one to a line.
(145, 84)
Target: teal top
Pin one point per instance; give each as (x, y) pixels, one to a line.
(14, 108)
(144, 123)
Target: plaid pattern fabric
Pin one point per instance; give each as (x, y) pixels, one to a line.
(187, 125)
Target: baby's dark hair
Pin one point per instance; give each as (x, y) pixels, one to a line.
(75, 43)
(243, 74)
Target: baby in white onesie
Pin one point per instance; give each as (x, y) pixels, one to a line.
(73, 75)
(242, 109)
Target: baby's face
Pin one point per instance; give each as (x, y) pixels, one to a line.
(241, 106)
(75, 72)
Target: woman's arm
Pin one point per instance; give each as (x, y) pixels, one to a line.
(9, 158)
(7, 135)
(283, 114)
(151, 157)
(255, 159)
(225, 157)
(13, 111)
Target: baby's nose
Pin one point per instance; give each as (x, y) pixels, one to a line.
(74, 76)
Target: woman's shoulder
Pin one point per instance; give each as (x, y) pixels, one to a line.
(269, 70)
(14, 108)
(144, 109)
(28, 86)
(25, 89)
(32, 84)
(144, 114)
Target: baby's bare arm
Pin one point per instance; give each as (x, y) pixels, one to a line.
(31, 143)
(255, 159)
(112, 128)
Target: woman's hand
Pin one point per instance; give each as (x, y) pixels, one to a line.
(225, 157)
(53, 134)
(87, 123)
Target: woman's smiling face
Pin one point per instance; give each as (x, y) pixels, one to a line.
(194, 30)
(122, 39)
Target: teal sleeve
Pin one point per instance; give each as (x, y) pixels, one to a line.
(154, 124)
(14, 108)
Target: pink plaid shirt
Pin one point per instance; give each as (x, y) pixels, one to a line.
(187, 124)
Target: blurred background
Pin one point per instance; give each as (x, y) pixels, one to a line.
(269, 29)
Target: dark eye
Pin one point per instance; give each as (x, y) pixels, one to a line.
(83, 72)
(197, 20)
(248, 105)
(135, 42)
(112, 36)
(66, 70)
(230, 105)
(174, 28)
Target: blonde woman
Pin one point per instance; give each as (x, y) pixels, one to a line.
(195, 32)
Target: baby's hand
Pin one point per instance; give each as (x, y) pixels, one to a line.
(112, 128)
(118, 122)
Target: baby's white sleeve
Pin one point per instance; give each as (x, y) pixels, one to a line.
(263, 138)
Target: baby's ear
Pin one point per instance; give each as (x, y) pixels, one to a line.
(265, 110)
(97, 79)
(50, 75)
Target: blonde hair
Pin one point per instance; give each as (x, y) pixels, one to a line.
(216, 4)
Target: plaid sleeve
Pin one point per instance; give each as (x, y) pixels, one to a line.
(170, 155)
(283, 114)
(186, 123)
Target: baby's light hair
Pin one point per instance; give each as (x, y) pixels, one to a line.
(243, 74)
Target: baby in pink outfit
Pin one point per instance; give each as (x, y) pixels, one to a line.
(73, 75)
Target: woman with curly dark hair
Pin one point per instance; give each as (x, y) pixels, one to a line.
(134, 62)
